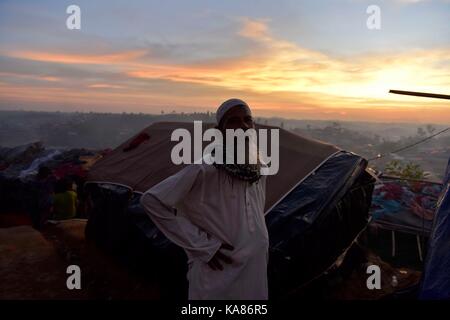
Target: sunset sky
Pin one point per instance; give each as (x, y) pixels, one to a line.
(289, 58)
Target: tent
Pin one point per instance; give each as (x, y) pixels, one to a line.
(144, 160)
(316, 205)
(436, 275)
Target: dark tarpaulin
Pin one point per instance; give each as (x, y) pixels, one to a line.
(436, 276)
(317, 221)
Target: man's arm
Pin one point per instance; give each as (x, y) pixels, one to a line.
(159, 202)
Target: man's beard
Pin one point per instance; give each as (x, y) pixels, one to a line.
(249, 170)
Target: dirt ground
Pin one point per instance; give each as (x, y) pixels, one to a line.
(355, 285)
(33, 266)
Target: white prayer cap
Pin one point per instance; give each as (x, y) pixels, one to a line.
(227, 105)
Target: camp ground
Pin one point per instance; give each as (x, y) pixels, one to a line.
(319, 204)
(329, 217)
(316, 205)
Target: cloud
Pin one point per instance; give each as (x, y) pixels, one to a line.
(276, 75)
(10, 75)
(104, 86)
(69, 58)
(256, 29)
(280, 66)
(411, 1)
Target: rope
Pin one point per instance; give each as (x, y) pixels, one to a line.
(411, 145)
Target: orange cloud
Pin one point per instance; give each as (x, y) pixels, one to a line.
(104, 86)
(282, 66)
(30, 76)
(77, 58)
(255, 29)
(276, 76)
(51, 79)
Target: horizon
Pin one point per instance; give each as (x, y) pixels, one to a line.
(184, 113)
(294, 60)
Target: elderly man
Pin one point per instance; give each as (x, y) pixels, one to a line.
(216, 214)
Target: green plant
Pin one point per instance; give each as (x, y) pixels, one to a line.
(408, 170)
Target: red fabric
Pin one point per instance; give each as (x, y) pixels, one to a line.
(136, 142)
(69, 169)
(393, 191)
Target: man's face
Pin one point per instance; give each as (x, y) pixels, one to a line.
(237, 118)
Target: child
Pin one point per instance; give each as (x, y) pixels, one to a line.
(64, 201)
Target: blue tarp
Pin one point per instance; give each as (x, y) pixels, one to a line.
(436, 276)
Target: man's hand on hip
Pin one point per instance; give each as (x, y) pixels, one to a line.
(219, 258)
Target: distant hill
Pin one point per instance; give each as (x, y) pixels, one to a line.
(100, 130)
(107, 130)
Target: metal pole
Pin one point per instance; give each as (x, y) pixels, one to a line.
(421, 94)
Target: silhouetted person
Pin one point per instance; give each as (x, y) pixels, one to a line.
(44, 188)
(65, 200)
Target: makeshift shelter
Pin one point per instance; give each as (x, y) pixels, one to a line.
(19, 166)
(405, 206)
(316, 205)
(436, 275)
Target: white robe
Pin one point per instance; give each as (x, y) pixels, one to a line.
(213, 208)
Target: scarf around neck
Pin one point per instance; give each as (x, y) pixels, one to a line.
(246, 172)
